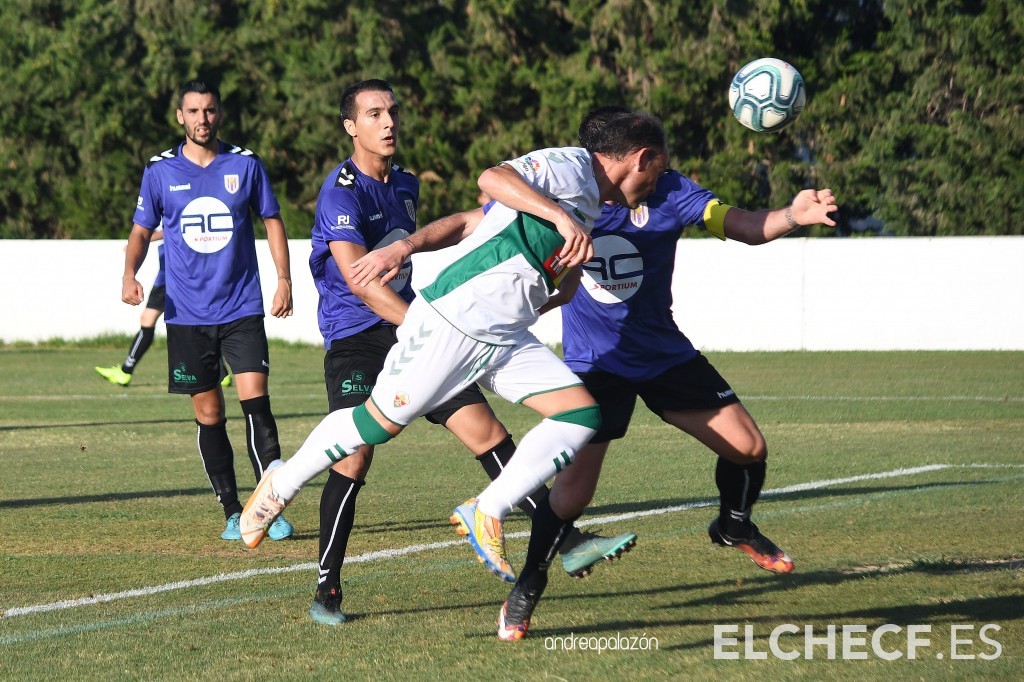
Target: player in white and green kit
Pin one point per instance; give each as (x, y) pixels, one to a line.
(471, 324)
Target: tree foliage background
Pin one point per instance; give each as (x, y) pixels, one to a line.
(913, 116)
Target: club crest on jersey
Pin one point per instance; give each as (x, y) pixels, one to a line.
(640, 215)
(410, 209)
(401, 399)
(231, 183)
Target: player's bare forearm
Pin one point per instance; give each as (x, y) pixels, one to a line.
(809, 207)
(384, 264)
(383, 301)
(277, 240)
(134, 255)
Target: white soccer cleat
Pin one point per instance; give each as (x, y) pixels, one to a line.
(262, 507)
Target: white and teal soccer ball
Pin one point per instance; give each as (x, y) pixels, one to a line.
(767, 95)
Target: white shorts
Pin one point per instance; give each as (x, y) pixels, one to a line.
(433, 361)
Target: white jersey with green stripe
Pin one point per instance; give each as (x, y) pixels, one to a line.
(493, 283)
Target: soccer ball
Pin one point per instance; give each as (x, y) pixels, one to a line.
(767, 95)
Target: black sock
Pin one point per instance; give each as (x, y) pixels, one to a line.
(260, 434)
(143, 340)
(219, 462)
(739, 486)
(547, 533)
(337, 514)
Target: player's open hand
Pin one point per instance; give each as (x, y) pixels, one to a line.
(814, 206)
(384, 263)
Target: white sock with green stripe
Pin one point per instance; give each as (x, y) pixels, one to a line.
(337, 436)
(545, 450)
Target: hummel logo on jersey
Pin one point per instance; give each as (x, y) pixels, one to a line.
(726, 394)
(376, 216)
(179, 188)
(346, 178)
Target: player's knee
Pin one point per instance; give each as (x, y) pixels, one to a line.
(756, 451)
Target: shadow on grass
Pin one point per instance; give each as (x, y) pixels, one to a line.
(102, 497)
(827, 491)
(127, 424)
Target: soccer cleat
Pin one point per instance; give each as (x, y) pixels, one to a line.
(280, 529)
(515, 614)
(114, 375)
(579, 561)
(226, 381)
(231, 531)
(262, 507)
(760, 549)
(486, 536)
(326, 608)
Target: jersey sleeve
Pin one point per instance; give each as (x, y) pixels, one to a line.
(339, 217)
(688, 200)
(263, 200)
(148, 207)
(557, 173)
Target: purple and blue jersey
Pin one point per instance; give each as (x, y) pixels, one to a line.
(356, 208)
(211, 270)
(620, 320)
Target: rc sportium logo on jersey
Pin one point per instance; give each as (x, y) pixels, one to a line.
(616, 271)
(207, 225)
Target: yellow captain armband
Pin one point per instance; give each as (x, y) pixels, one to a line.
(714, 218)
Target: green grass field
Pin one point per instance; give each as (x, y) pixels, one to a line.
(899, 497)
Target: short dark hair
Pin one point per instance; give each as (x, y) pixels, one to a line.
(348, 98)
(629, 132)
(199, 86)
(595, 120)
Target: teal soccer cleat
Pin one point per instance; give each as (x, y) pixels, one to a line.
(579, 561)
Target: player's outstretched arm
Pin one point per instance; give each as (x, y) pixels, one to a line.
(134, 255)
(277, 239)
(386, 262)
(809, 207)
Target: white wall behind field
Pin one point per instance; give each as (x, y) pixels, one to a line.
(944, 293)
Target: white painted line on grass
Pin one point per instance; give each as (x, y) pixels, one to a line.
(411, 549)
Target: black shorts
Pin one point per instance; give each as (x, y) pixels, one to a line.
(693, 385)
(352, 364)
(157, 298)
(194, 353)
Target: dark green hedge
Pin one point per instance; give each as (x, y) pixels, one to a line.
(913, 115)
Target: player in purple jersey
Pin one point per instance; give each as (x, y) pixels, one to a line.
(619, 337)
(365, 203)
(203, 192)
